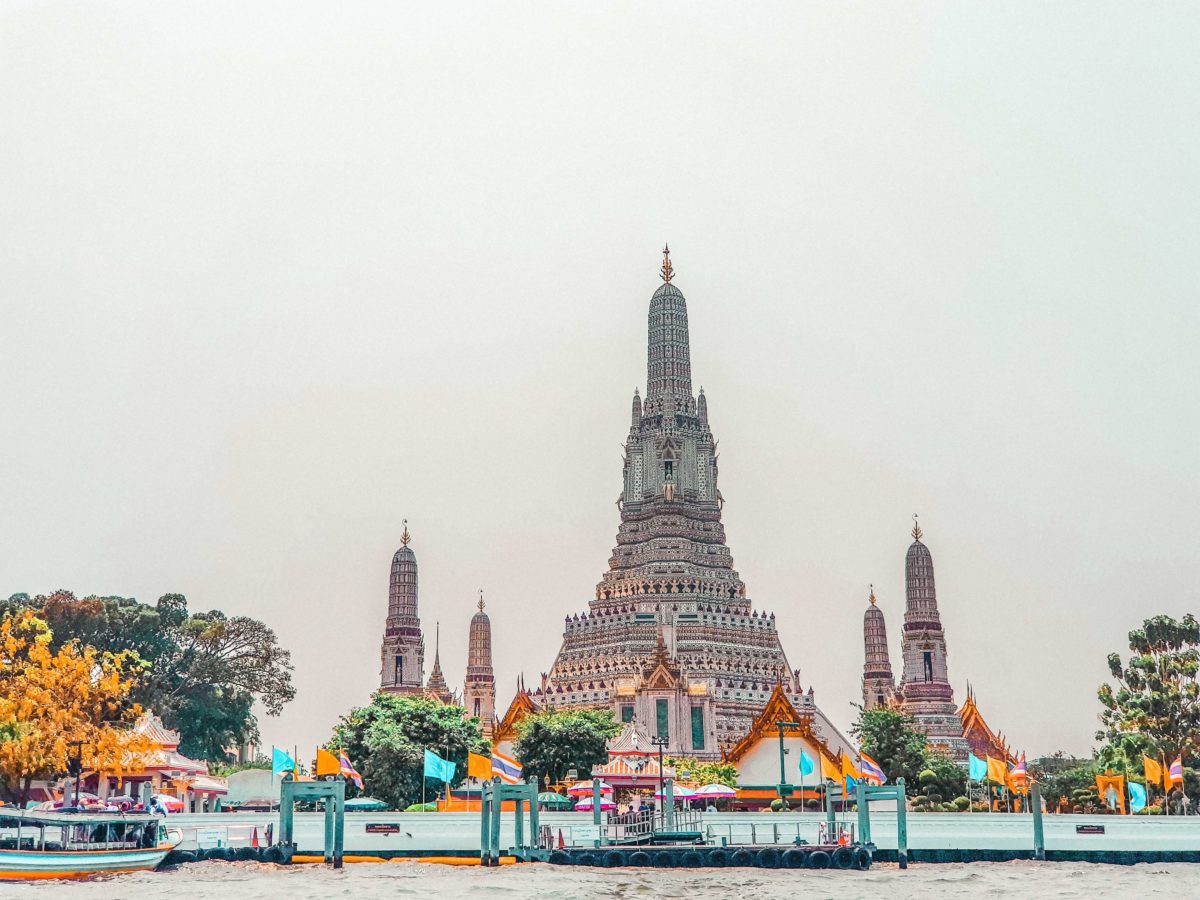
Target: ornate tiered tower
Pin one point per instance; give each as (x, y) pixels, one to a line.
(403, 652)
(878, 685)
(670, 637)
(479, 689)
(925, 684)
(437, 689)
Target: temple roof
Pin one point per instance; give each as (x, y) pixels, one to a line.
(983, 741)
(780, 709)
(632, 741)
(521, 707)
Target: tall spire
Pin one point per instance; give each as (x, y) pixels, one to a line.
(437, 687)
(925, 682)
(916, 532)
(479, 687)
(668, 355)
(402, 655)
(878, 684)
(667, 272)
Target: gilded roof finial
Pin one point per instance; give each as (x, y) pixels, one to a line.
(405, 537)
(872, 597)
(667, 272)
(916, 532)
(481, 599)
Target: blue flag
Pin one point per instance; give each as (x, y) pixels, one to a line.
(436, 767)
(807, 766)
(978, 767)
(1137, 797)
(281, 762)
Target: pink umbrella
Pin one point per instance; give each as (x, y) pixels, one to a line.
(717, 792)
(585, 805)
(584, 788)
(679, 792)
(173, 804)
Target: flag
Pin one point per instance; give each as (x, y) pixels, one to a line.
(505, 768)
(281, 762)
(1176, 771)
(871, 772)
(1154, 771)
(997, 771)
(479, 766)
(1111, 789)
(1137, 797)
(327, 763)
(436, 767)
(1018, 776)
(978, 768)
(829, 769)
(807, 766)
(849, 773)
(348, 771)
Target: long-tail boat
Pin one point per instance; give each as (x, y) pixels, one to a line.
(36, 844)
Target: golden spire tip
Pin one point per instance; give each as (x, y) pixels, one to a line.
(872, 597)
(667, 272)
(405, 537)
(916, 532)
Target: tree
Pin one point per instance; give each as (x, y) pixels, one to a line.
(887, 736)
(702, 773)
(387, 739)
(1155, 705)
(52, 701)
(553, 742)
(206, 671)
(941, 783)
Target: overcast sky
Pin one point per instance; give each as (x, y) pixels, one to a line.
(274, 277)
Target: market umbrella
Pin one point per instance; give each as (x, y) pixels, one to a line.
(172, 804)
(365, 804)
(585, 805)
(553, 801)
(679, 792)
(584, 788)
(716, 792)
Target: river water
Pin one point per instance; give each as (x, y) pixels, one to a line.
(250, 881)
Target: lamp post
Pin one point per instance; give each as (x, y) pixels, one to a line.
(660, 742)
(77, 769)
(785, 789)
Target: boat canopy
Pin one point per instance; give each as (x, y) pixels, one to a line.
(39, 830)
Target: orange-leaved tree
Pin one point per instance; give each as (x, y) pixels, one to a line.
(57, 704)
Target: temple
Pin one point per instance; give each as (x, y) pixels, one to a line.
(402, 669)
(479, 689)
(925, 682)
(878, 684)
(437, 689)
(670, 640)
(924, 693)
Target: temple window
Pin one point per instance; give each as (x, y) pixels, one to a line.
(697, 728)
(928, 665)
(662, 728)
(626, 713)
(399, 669)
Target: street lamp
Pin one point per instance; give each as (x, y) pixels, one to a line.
(76, 769)
(660, 742)
(785, 789)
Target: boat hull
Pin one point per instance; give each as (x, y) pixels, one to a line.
(34, 865)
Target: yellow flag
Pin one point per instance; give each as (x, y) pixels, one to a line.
(829, 770)
(327, 763)
(479, 766)
(997, 771)
(849, 771)
(1154, 771)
